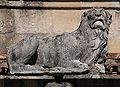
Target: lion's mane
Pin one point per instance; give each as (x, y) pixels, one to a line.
(92, 34)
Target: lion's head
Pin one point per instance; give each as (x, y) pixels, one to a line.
(97, 18)
(94, 27)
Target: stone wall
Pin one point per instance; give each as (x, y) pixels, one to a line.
(51, 18)
(54, 22)
(19, 19)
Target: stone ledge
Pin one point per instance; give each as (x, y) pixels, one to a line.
(45, 77)
(113, 56)
(60, 5)
(66, 77)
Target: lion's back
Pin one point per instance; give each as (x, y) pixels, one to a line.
(56, 51)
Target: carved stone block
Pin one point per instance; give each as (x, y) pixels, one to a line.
(79, 49)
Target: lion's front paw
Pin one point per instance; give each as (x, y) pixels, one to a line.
(100, 68)
(78, 64)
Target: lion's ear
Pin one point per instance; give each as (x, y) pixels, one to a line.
(109, 16)
(84, 15)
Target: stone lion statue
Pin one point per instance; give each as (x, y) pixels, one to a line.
(87, 44)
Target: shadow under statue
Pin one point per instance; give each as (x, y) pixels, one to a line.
(73, 52)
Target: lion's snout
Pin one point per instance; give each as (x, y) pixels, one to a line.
(99, 23)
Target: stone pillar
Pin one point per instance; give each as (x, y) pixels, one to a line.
(63, 84)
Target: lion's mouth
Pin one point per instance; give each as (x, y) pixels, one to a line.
(98, 24)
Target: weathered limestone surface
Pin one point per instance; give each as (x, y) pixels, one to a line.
(114, 39)
(6, 27)
(52, 22)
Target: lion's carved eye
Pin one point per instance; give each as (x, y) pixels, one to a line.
(91, 17)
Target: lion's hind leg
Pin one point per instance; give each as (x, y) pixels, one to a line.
(22, 53)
